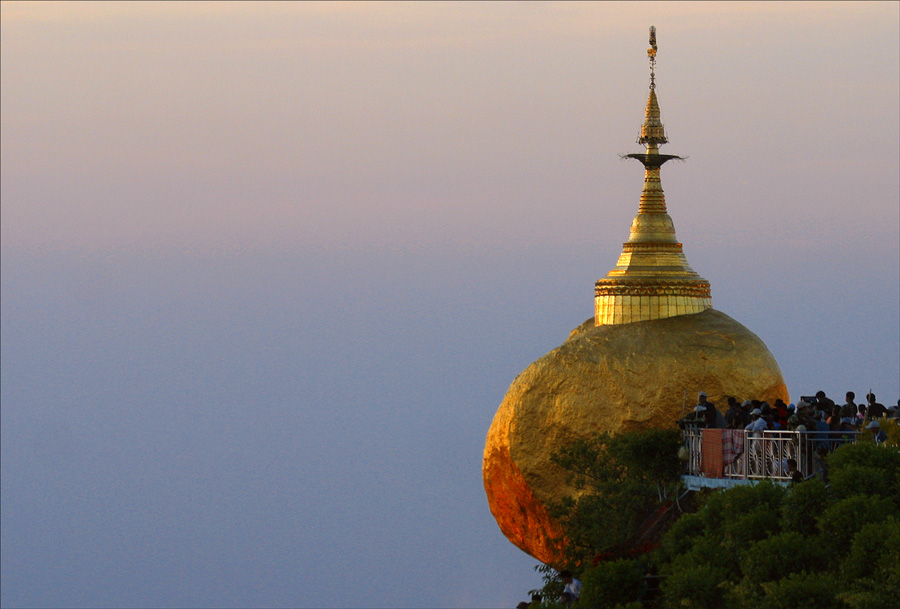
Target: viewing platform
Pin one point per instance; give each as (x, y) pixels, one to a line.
(723, 458)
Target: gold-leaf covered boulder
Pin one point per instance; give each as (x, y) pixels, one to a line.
(609, 378)
(654, 338)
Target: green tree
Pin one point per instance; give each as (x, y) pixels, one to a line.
(695, 586)
(803, 505)
(612, 583)
(883, 460)
(800, 591)
(869, 574)
(626, 482)
(780, 555)
(855, 479)
(680, 537)
(762, 546)
(843, 520)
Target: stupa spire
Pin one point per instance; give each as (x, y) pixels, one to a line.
(652, 279)
(652, 132)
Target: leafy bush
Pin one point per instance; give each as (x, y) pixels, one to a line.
(840, 522)
(883, 458)
(855, 479)
(801, 591)
(723, 506)
(680, 537)
(741, 529)
(776, 557)
(874, 556)
(803, 505)
(695, 587)
(611, 583)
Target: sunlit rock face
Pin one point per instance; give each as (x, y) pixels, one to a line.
(610, 378)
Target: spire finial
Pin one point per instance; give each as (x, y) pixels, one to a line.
(652, 279)
(652, 132)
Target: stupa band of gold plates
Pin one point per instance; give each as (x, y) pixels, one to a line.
(652, 278)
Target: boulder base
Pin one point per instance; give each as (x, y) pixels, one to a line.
(610, 378)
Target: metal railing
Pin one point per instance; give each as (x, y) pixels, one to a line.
(764, 454)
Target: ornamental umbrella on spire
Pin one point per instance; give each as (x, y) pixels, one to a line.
(652, 278)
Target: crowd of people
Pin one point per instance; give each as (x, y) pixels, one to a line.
(812, 413)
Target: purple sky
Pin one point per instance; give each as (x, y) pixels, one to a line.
(268, 269)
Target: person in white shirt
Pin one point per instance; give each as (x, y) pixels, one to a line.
(758, 423)
(573, 586)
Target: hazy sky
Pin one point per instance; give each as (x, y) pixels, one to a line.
(269, 268)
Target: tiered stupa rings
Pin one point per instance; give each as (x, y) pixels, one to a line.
(652, 278)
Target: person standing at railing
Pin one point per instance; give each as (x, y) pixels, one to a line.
(733, 413)
(820, 464)
(821, 436)
(758, 424)
(893, 411)
(702, 409)
(793, 472)
(849, 410)
(861, 415)
(802, 412)
(876, 410)
(807, 428)
(834, 421)
(746, 408)
(769, 416)
(808, 418)
(823, 402)
(878, 434)
(780, 414)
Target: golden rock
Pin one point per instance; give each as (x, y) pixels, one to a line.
(609, 378)
(654, 339)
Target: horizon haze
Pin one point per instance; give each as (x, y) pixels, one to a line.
(268, 269)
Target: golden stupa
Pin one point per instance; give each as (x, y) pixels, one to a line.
(654, 337)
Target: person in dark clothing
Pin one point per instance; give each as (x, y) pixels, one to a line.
(823, 402)
(768, 416)
(711, 416)
(834, 421)
(733, 414)
(876, 410)
(793, 472)
(849, 409)
(706, 411)
(820, 464)
(746, 408)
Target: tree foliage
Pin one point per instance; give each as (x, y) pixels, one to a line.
(612, 583)
(625, 483)
(761, 546)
